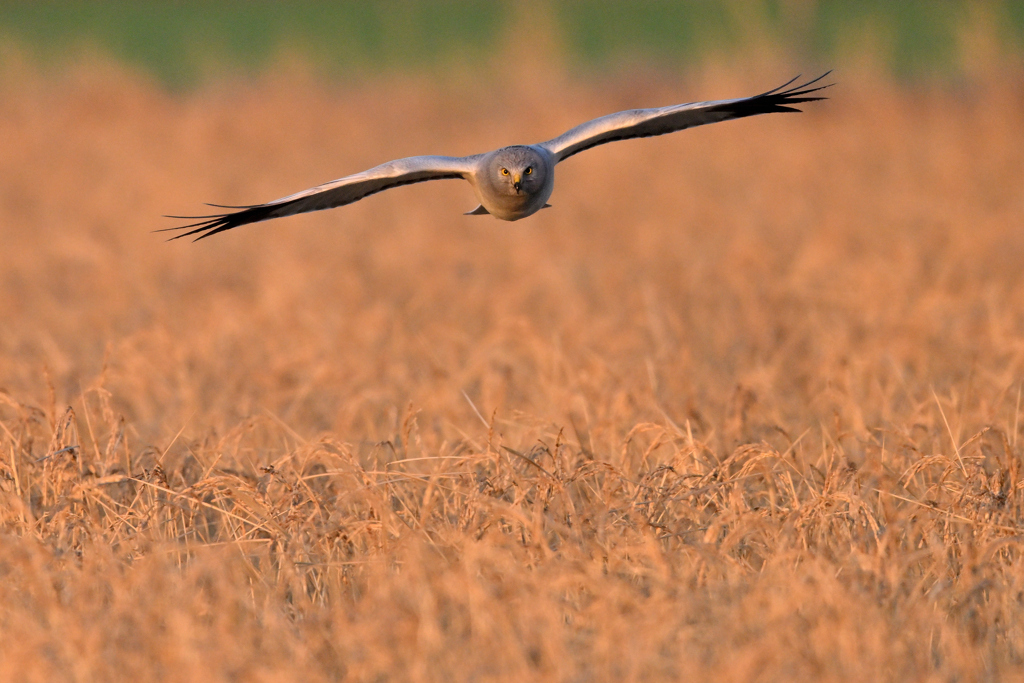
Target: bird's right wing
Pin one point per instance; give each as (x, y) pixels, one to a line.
(335, 193)
(642, 123)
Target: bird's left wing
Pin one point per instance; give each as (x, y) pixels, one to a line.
(642, 123)
(335, 193)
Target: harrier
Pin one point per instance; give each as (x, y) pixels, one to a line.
(511, 182)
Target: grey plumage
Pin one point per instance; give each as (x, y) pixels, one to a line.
(510, 182)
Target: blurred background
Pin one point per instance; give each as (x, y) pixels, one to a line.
(115, 114)
(743, 405)
(182, 43)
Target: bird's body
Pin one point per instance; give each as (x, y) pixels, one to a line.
(510, 182)
(514, 182)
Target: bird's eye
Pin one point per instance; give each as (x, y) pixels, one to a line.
(529, 170)
(504, 171)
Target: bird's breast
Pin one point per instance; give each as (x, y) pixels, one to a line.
(513, 206)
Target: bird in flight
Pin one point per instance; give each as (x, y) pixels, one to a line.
(510, 182)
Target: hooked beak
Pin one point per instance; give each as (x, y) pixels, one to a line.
(517, 183)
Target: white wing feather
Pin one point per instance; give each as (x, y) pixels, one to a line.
(335, 193)
(642, 123)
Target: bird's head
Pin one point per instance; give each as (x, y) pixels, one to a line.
(517, 170)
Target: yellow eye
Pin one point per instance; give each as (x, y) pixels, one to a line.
(504, 171)
(529, 170)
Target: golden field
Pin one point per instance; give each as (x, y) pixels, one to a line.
(743, 406)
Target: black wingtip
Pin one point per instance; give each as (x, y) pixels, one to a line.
(207, 226)
(783, 86)
(796, 93)
(210, 225)
(233, 206)
(782, 98)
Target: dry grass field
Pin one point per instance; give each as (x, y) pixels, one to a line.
(743, 406)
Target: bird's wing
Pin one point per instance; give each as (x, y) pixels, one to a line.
(335, 193)
(642, 123)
